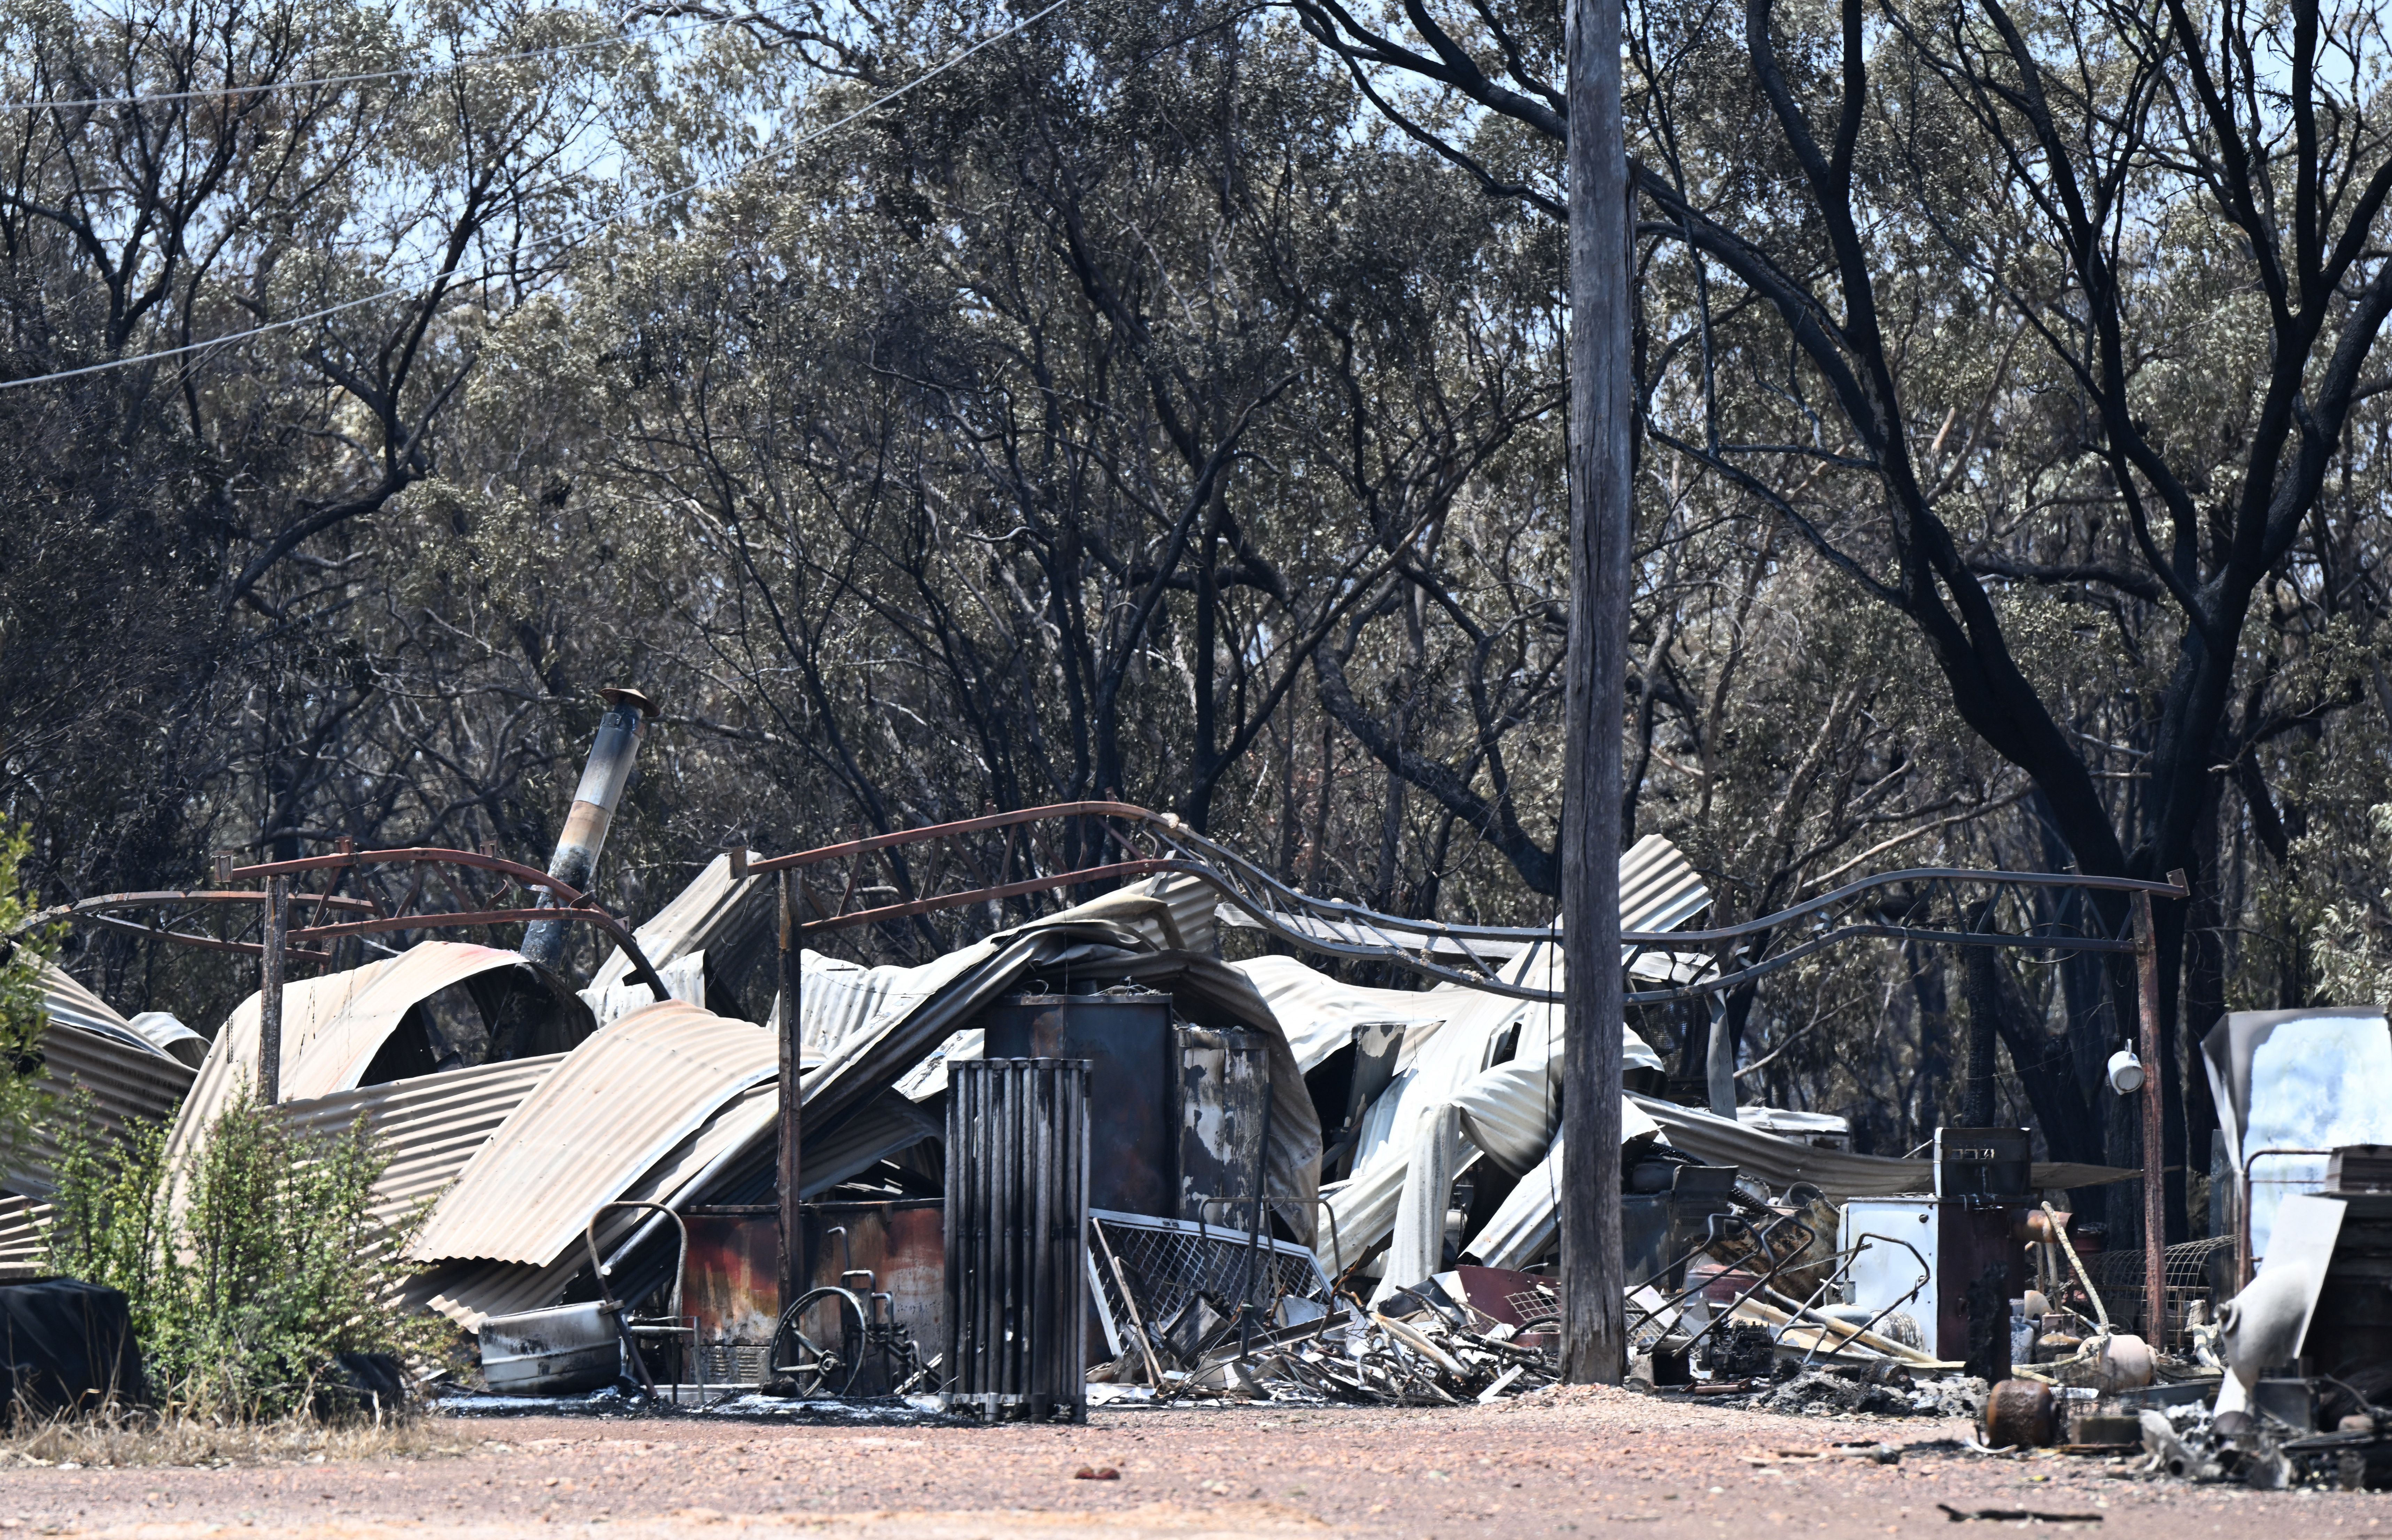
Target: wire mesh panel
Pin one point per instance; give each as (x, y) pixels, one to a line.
(2195, 1275)
(1016, 1236)
(1170, 1262)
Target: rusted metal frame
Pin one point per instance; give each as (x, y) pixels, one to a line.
(415, 882)
(529, 876)
(1205, 853)
(943, 831)
(452, 919)
(570, 903)
(1269, 901)
(347, 846)
(97, 908)
(983, 895)
(206, 943)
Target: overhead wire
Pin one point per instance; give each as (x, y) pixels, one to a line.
(585, 226)
(452, 66)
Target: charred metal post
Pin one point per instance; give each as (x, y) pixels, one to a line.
(793, 1241)
(612, 755)
(2147, 992)
(269, 990)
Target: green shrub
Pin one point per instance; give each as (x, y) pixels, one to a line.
(23, 1010)
(274, 1263)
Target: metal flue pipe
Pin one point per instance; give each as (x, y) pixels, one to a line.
(612, 755)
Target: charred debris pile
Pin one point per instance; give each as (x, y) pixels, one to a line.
(1086, 1159)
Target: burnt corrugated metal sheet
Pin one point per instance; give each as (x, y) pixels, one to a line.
(429, 1126)
(846, 1002)
(620, 1103)
(20, 1235)
(1782, 1162)
(1191, 902)
(1510, 1110)
(67, 1000)
(1658, 889)
(1526, 1223)
(332, 1028)
(127, 1076)
(1321, 1012)
(729, 919)
(467, 1290)
(1486, 1033)
(684, 978)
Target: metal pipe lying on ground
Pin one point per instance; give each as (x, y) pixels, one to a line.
(1844, 1331)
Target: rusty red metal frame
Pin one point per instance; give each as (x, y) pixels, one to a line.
(570, 903)
(1884, 906)
(1121, 870)
(97, 910)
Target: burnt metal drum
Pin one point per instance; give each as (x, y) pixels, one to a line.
(1134, 1115)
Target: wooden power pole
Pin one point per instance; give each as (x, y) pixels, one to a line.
(1602, 415)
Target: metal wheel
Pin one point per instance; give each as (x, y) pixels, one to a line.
(822, 1355)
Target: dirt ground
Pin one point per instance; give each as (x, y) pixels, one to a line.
(1570, 1463)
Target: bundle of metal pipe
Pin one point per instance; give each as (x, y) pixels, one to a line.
(1016, 1227)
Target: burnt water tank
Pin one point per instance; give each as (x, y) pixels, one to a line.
(1133, 1086)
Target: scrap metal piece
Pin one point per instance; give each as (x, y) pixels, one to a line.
(613, 753)
(561, 1351)
(1417, 1249)
(2021, 1414)
(1126, 1038)
(1170, 1262)
(617, 1105)
(2263, 1326)
(87, 1046)
(1224, 1094)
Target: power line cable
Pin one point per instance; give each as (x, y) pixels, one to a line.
(586, 226)
(476, 62)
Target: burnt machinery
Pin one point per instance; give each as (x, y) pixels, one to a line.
(1177, 1113)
